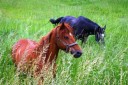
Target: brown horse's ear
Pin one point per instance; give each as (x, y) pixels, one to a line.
(62, 26)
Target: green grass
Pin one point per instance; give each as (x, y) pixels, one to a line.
(97, 66)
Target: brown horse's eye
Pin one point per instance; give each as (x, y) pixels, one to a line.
(66, 37)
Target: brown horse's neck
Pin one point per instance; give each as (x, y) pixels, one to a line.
(47, 47)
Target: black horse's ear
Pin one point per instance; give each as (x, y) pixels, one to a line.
(104, 27)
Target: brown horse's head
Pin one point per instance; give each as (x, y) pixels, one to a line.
(66, 40)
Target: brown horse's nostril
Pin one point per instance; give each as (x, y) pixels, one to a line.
(77, 54)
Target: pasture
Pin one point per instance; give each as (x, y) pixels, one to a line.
(97, 66)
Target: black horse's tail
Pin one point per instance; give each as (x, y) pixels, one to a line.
(53, 21)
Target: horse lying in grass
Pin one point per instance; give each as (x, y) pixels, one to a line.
(83, 27)
(46, 51)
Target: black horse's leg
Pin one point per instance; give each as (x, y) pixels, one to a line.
(84, 39)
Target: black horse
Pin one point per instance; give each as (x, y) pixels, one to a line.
(83, 27)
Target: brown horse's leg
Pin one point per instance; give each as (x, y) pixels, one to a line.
(54, 70)
(40, 82)
(39, 78)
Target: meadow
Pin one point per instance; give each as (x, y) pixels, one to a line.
(97, 66)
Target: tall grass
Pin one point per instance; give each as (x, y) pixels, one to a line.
(97, 66)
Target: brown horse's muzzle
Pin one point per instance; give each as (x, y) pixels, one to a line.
(76, 54)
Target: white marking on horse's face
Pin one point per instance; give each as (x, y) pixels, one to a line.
(70, 34)
(102, 35)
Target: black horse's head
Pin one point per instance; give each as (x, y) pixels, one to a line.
(100, 34)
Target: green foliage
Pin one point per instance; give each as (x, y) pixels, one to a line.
(97, 66)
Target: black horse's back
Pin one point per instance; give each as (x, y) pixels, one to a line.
(70, 20)
(87, 24)
(67, 19)
(87, 20)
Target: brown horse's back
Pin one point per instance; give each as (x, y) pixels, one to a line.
(21, 49)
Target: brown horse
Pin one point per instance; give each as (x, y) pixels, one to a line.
(61, 37)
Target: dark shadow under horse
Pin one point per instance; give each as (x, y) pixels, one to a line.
(83, 27)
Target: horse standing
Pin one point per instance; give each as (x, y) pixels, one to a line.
(25, 50)
(83, 27)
